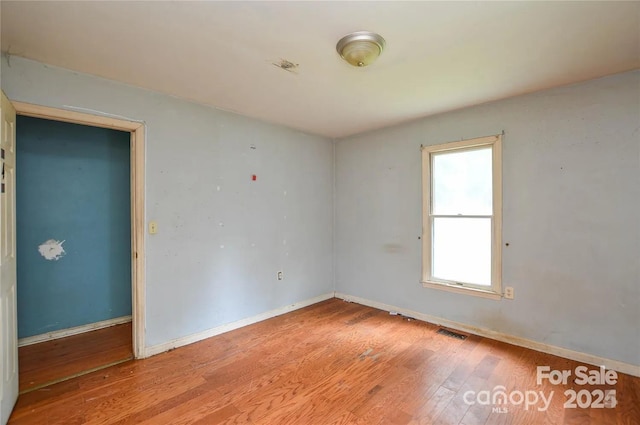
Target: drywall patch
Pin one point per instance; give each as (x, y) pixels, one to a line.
(287, 65)
(52, 250)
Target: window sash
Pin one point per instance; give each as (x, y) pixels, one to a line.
(433, 278)
(428, 280)
(432, 158)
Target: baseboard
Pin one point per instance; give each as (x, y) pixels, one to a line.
(72, 331)
(616, 365)
(190, 339)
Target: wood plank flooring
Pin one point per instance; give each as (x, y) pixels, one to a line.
(330, 363)
(51, 361)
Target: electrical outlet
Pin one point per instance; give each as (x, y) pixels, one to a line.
(280, 276)
(153, 227)
(508, 292)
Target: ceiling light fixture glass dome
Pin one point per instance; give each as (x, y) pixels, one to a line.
(360, 48)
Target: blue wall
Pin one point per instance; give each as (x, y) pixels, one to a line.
(570, 227)
(222, 237)
(72, 186)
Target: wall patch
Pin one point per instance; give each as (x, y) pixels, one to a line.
(52, 250)
(287, 66)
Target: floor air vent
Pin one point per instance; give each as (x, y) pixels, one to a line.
(452, 334)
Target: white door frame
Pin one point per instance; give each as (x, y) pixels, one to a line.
(9, 382)
(137, 200)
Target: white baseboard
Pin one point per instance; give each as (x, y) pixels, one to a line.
(190, 339)
(72, 331)
(616, 365)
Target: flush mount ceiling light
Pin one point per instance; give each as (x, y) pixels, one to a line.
(360, 48)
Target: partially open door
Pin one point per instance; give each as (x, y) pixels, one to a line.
(8, 296)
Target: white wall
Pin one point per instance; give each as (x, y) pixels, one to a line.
(571, 216)
(222, 237)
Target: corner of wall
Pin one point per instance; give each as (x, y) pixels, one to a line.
(333, 218)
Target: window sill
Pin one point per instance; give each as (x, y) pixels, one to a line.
(463, 290)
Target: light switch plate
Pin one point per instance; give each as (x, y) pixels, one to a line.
(153, 227)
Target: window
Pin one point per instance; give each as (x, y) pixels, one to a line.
(462, 205)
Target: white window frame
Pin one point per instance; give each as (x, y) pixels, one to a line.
(428, 281)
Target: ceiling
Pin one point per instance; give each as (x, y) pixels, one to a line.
(439, 56)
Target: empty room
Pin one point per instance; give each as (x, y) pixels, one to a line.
(315, 213)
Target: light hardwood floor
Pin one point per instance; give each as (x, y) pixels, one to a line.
(52, 361)
(330, 363)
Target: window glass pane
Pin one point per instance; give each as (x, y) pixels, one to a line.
(462, 250)
(461, 182)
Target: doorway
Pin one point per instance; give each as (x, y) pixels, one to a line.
(73, 230)
(51, 251)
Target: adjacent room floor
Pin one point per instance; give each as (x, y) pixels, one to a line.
(53, 361)
(330, 363)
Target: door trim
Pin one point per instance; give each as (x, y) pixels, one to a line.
(137, 200)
